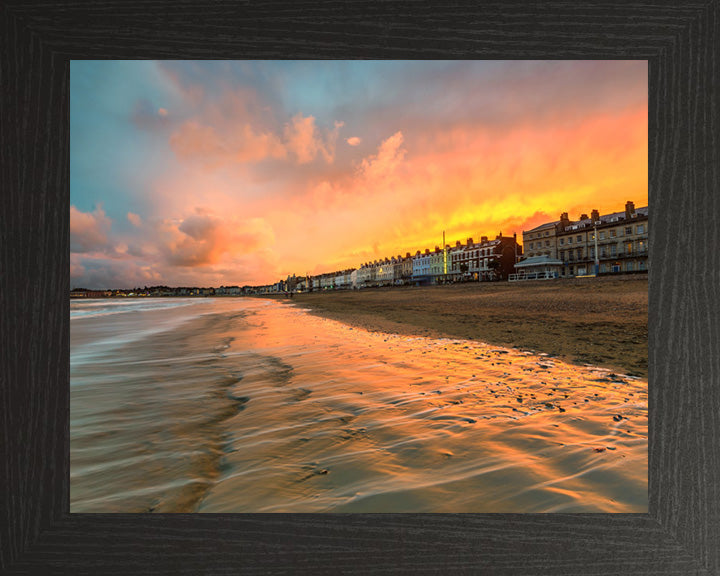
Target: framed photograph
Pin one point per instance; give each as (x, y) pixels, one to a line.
(363, 436)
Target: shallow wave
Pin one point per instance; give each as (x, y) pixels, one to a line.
(106, 307)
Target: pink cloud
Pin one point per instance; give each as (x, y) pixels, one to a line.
(76, 267)
(204, 239)
(88, 230)
(146, 117)
(353, 140)
(388, 157)
(304, 140)
(300, 138)
(134, 219)
(194, 140)
(237, 127)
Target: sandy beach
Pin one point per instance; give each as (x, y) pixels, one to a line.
(597, 321)
(251, 405)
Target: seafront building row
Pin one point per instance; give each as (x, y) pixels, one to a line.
(485, 260)
(613, 243)
(592, 245)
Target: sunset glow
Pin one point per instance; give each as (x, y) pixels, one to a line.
(237, 173)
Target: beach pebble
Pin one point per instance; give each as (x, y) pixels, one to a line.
(617, 418)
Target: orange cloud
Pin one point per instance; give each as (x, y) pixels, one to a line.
(504, 149)
(463, 179)
(471, 182)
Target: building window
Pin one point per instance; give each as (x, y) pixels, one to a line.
(641, 265)
(628, 231)
(592, 252)
(628, 248)
(562, 241)
(603, 267)
(603, 252)
(547, 242)
(579, 253)
(613, 233)
(547, 233)
(613, 250)
(602, 235)
(579, 238)
(641, 229)
(630, 266)
(641, 246)
(570, 240)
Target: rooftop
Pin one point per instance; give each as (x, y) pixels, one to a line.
(543, 226)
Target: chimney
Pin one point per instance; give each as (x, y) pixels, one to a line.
(564, 221)
(483, 239)
(407, 255)
(469, 241)
(583, 216)
(437, 248)
(595, 215)
(458, 244)
(427, 250)
(629, 209)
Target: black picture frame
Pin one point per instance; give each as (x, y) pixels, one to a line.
(681, 532)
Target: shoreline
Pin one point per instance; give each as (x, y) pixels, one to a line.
(597, 321)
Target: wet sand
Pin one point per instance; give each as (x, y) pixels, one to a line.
(595, 321)
(253, 406)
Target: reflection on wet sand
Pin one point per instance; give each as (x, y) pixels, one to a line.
(254, 406)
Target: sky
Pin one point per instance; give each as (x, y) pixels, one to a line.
(219, 173)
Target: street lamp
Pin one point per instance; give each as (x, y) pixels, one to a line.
(597, 256)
